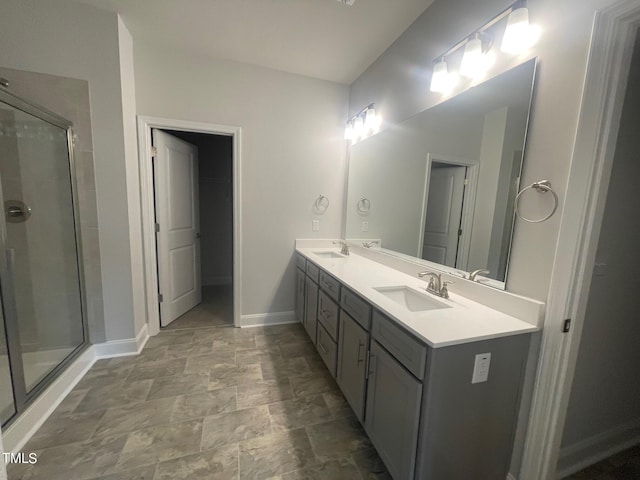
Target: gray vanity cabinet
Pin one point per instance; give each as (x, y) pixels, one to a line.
(392, 418)
(353, 351)
(300, 292)
(311, 308)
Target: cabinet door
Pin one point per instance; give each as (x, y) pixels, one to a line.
(300, 288)
(393, 412)
(352, 355)
(311, 309)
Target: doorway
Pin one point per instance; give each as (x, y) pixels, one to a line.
(603, 413)
(194, 228)
(448, 208)
(442, 229)
(218, 188)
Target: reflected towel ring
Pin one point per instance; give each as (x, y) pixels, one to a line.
(321, 204)
(542, 186)
(363, 205)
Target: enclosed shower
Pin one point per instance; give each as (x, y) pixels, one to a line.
(43, 314)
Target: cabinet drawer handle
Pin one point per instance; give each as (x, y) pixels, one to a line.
(327, 284)
(321, 347)
(360, 345)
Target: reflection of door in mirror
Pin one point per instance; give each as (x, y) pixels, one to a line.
(442, 229)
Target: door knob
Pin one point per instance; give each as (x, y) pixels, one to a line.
(198, 235)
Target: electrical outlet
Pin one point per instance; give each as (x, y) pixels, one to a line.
(315, 225)
(365, 226)
(481, 368)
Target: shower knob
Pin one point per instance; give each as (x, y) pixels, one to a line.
(16, 211)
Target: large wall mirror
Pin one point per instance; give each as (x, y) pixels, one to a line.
(440, 187)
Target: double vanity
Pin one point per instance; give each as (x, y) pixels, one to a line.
(436, 382)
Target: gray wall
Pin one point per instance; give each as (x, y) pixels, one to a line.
(292, 151)
(398, 82)
(604, 407)
(78, 41)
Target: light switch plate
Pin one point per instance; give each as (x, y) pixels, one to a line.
(315, 225)
(365, 226)
(481, 368)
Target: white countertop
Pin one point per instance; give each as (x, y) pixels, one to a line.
(466, 321)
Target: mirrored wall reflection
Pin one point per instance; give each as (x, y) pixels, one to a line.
(42, 300)
(441, 185)
(7, 403)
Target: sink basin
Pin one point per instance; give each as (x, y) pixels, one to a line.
(411, 299)
(328, 254)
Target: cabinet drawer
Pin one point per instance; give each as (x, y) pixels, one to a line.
(329, 285)
(327, 349)
(405, 348)
(301, 262)
(358, 308)
(312, 271)
(328, 314)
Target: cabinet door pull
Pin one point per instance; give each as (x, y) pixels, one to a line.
(321, 347)
(360, 346)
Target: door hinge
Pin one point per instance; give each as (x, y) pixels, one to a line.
(459, 232)
(466, 181)
(160, 298)
(566, 325)
(154, 151)
(157, 227)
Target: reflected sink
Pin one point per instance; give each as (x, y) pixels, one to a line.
(411, 299)
(328, 255)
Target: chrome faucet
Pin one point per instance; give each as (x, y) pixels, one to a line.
(345, 247)
(475, 273)
(370, 243)
(436, 285)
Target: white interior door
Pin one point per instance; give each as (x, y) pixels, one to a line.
(444, 210)
(175, 170)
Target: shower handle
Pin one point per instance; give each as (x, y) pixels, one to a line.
(16, 211)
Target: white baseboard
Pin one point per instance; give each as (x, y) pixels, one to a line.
(263, 319)
(122, 348)
(591, 450)
(23, 428)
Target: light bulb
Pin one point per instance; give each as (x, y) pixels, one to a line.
(440, 77)
(348, 131)
(370, 119)
(358, 128)
(519, 35)
(472, 61)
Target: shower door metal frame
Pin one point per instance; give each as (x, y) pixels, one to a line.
(22, 398)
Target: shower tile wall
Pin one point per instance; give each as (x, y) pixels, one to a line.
(68, 98)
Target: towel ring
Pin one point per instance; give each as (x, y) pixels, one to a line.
(542, 186)
(321, 204)
(363, 206)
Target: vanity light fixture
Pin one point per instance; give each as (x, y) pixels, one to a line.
(519, 34)
(442, 81)
(363, 124)
(478, 55)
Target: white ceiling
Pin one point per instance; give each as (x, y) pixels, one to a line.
(318, 38)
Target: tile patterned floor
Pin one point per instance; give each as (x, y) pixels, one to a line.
(215, 310)
(623, 466)
(206, 403)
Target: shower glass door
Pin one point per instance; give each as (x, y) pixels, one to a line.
(40, 273)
